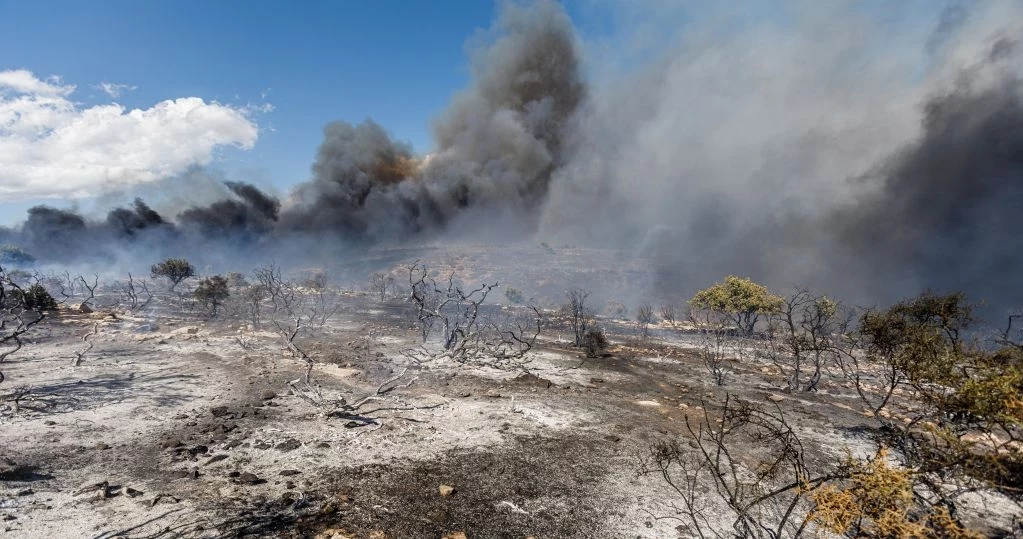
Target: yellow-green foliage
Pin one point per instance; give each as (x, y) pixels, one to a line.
(974, 395)
(922, 337)
(826, 307)
(742, 300)
(877, 501)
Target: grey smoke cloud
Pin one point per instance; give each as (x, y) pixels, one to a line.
(746, 152)
(497, 144)
(945, 211)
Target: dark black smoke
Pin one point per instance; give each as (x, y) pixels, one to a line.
(947, 212)
(55, 234)
(59, 235)
(497, 145)
(266, 206)
(127, 223)
(245, 218)
(364, 187)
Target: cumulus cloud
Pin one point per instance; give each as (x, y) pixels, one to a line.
(51, 146)
(115, 90)
(23, 81)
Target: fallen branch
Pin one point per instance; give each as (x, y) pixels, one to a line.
(90, 344)
(339, 406)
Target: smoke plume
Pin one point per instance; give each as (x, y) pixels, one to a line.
(945, 211)
(497, 144)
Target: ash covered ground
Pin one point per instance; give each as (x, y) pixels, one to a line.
(178, 424)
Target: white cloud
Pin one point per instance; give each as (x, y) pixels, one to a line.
(115, 90)
(51, 146)
(23, 81)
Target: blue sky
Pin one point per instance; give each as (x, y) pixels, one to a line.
(397, 62)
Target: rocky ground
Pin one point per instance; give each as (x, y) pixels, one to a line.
(173, 426)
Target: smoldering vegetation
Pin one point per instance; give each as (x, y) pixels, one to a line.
(873, 154)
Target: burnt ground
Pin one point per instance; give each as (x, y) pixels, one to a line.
(174, 426)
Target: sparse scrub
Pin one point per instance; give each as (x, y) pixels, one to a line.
(805, 334)
(958, 429)
(36, 297)
(136, 293)
(645, 317)
(467, 335)
(253, 297)
(965, 390)
(67, 286)
(669, 314)
(292, 311)
(719, 342)
(380, 283)
(578, 313)
(89, 291)
(780, 493)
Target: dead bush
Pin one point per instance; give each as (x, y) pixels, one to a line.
(595, 342)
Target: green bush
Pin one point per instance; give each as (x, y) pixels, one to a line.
(175, 270)
(739, 299)
(38, 298)
(212, 292)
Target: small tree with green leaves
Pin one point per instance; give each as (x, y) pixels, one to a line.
(963, 390)
(175, 270)
(743, 301)
(212, 292)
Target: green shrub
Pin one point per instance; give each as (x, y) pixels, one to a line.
(212, 292)
(175, 270)
(38, 298)
(740, 299)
